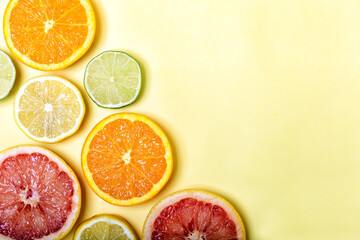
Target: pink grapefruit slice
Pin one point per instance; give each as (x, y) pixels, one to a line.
(193, 215)
(40, 195)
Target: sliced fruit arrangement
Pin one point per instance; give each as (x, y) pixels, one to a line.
(48, 109)
(105, 227)
(49, 34)
(7, 75)
(126, 159)
(113, 79)
(40, 195)
(193, 214)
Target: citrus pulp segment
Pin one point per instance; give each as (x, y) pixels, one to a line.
(126, 159)
(7, 75)
(48, 108)
(106, 227)
(113, 79)
(49, 34)
(193, 214)
(40, 196)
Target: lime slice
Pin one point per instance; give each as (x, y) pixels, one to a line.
(7, 75)
(113, 79)
(105, 227)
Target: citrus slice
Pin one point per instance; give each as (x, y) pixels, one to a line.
(106, 227)
(49, 34)
(126, 159)
(113, 79)
(7, 75)
(193, 214)
(40, 195)
(48, 109)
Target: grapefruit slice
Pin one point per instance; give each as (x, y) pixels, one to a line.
(49, 34)
(193, 215)
(126, 159)
(40, 195)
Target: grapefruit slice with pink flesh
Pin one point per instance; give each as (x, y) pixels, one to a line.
(40, 196)
(193, 215)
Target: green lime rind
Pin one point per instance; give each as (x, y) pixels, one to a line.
(7, 75)
(106, 79)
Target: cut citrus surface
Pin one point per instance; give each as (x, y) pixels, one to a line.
(40, 195)
(7, 75)
(193, 214)
(49, 34)
(105, 227)
(48, 108)
(113, 79)
(126, 159)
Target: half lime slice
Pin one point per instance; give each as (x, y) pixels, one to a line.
(7, 75)
(113, 79)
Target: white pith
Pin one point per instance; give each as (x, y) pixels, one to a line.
(126, 158)
(32, 201)
(48, 25)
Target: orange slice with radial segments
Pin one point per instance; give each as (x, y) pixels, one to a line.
(49, 34)
(126, 159)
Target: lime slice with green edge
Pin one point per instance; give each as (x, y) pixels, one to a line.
(113, 79)
(7, 75)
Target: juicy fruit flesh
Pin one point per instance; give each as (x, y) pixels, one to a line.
(35, 196)
(7, 72)
(126, 159)
(113, 78)
(48, 31)
(104, 230)
(48, 109)
(191, 219)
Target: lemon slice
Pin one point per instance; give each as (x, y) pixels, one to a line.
(7, 75)
(106, 227)
(48, 109)
(113, 79)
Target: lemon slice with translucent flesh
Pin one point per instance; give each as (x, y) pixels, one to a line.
(48, 109)
(113, 79)
(7, 74)
(105, 227)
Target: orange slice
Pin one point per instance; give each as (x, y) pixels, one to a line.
(49, 34)
(126, 159)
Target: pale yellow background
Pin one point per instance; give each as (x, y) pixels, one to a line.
(260, 99)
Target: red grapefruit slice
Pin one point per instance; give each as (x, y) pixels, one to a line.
(193, 215)
(40, 195)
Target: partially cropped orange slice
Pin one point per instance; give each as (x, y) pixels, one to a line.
(49, 34)
(126, 159)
